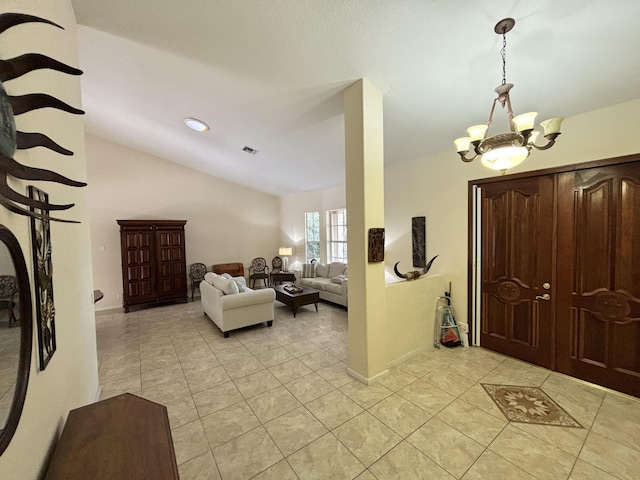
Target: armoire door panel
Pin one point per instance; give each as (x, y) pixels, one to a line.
(150, 252)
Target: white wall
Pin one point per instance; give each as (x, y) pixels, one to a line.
(436, 187)
(225, 222)
(70, 379)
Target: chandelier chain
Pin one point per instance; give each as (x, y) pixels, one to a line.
(503, 53)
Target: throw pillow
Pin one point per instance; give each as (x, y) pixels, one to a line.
(209, 276)
(322, 270)
(228, 287)
(308, 270)
(338, 279)
(241, 282)
(336, 268)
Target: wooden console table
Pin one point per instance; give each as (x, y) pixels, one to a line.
(279, 277)
(124, 437)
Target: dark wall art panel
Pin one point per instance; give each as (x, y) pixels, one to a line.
(43, 276)
(419, 241)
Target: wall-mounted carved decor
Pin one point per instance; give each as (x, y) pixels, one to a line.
(11, 139)
(419, 241)
(376, 245)
(43, 276)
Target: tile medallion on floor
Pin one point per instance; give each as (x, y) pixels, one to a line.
(405, 462)
(367, 438)
(325, 458)
(202, 467)
(294, 430)
(247, 455)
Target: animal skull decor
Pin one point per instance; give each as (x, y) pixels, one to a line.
(415, 274)
(10, 139)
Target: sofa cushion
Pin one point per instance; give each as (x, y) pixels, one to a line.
(309, 270)
(322, 270)
(339, 279)
(229, 287)
(333, 288)
(209, 276)
(336, 268)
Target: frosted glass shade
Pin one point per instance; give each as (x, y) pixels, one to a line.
(552, 125)
(477, 132)
(525, 121)
(462, 144)
(503, 158)
(285, 251)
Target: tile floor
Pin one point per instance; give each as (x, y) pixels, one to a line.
(277, 403)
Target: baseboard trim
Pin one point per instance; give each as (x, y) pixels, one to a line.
(408, 355)
(365, 380)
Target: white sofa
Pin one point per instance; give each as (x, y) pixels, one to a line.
(329, 279)
(229, 308)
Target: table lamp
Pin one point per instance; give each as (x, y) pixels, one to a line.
(284, 252)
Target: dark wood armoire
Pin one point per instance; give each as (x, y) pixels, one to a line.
(153, 262)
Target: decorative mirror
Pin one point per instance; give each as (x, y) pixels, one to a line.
(15, 334)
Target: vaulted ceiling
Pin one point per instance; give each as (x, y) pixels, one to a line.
(270, 75)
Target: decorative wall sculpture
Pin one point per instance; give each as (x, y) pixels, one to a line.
(43, 269)
(376, 245)
(419, 241)
(11, 139)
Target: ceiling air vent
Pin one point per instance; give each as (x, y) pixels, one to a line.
(250, 150)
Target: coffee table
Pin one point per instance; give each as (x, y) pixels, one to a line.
(295, 300)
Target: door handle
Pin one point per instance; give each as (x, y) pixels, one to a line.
(546, 296)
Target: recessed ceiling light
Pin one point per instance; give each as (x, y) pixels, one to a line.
(197, 125)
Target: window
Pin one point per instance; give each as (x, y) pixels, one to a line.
(337, 235)
(312, 235)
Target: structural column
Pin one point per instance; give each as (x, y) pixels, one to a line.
(364, 160)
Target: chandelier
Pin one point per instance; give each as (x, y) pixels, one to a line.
(506, 150)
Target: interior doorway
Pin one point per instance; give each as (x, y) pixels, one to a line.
(559, 280)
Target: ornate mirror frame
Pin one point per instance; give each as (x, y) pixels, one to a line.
(26, 326)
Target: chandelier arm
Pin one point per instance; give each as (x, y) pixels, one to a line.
(551, 142)
(465, 159)
(510, 113)
(493, 107)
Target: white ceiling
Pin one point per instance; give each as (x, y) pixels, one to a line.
(270, 75)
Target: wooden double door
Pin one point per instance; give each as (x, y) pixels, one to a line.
(560, 279)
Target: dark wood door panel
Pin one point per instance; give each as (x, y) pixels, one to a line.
(517, 247)
(599, 257)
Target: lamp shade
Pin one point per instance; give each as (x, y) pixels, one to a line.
(285, 251)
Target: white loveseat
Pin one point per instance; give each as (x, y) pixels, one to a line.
(329, 279)
(229, 308)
